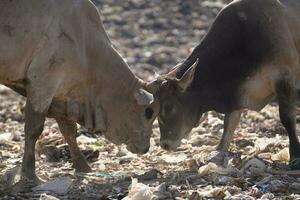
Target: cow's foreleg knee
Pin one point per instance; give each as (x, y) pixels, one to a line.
(34, 124)
(231, 121)
(286, 96)
(69, 129)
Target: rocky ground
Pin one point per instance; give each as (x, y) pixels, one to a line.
(153, 35)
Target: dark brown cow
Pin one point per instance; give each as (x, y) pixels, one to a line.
(249, 56)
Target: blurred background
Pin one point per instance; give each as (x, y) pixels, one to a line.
(154, 35)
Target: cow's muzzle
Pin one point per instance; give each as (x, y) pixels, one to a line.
(138, 149)
(169, 145)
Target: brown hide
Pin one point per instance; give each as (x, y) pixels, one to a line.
(249, 56)
(58, 55)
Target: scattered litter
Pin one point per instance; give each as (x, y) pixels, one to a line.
(278, 186)
(294, 188)
(149, 175)
(254, 167)
(45, 196)
(91, 155)
(126, 159)
(199, 140)
(82, 139)
(55, 153)
(13, 136)
(110, 175)
(211, 192)
(12, 176)
(139, 191)
(264, 181)
(234, 172)
(52, 153)
(57, 186)
(282, 155)
(267, 196)
(173, 158)
(161, 192)
(224, 180)
(207, 169)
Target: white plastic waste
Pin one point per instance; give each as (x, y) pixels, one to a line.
(139, 191)
(207, 169)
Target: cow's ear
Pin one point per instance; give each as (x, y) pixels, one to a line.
(143, 97)
(185, 81)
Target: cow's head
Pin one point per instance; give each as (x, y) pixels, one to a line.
(132, 119)
(145, 109)
(178, 114)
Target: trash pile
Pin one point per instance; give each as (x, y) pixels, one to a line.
(256, 167)
(140, 191)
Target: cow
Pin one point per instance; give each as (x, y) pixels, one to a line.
(249, 56)
(58, 55)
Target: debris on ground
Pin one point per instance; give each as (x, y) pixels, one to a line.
(58, 186)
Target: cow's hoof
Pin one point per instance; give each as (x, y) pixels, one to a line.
(16, 181)
(25, 185)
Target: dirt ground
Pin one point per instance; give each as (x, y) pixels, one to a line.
(154, 35)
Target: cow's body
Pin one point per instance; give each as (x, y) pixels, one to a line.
(240, 57)
(62, 37)
(249, 56)
(57, 54)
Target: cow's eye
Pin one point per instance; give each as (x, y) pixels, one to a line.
(149, 113)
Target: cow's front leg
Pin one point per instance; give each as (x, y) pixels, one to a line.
(286, 96)
(231, 121)
(34, 124)
(68, 128)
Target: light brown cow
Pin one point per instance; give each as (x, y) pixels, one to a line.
(58, 55)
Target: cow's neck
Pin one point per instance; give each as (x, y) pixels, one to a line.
(116, 98)
(111, 74)
(111, 89)
(213, 85)
(120, 81)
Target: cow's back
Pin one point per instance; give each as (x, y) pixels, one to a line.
(248, 39)
(20, 34)
(272, 33)
(58, 34)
